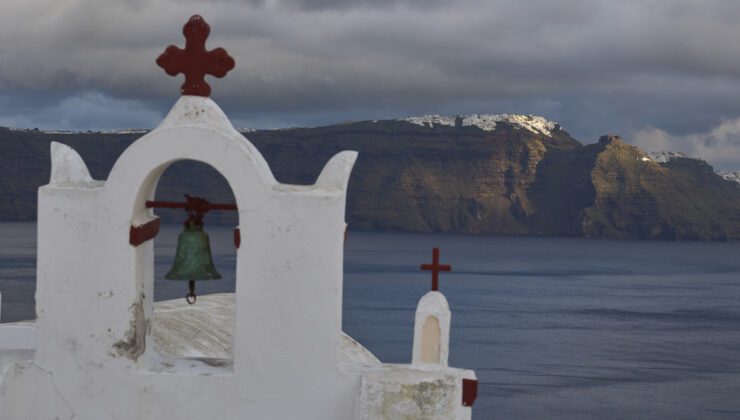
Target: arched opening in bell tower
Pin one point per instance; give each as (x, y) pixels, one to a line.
(203, 329)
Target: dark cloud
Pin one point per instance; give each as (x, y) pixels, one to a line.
(596, 66)
(87, 110)
(321, 5)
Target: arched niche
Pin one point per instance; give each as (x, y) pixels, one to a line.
(430, 340)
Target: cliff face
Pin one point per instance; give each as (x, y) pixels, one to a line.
(637, 198)
(420, 178)
(516, 178)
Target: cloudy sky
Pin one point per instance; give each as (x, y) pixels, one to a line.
(665, 74)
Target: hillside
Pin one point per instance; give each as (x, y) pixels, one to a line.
(502, 174)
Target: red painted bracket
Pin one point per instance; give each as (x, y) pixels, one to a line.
(469, 392)
(237, 238)
(195, 206)
(139, 234)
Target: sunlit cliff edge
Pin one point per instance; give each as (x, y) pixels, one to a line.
(479, 174)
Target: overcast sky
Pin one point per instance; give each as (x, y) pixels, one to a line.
(664, 74)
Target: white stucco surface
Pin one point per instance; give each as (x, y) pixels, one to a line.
(17, 342)
(68, 169)
(20, 335)
(179, 330)
(273, 350)
(205, 330)
(431, 392)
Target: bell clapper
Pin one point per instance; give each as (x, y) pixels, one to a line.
(191, 297)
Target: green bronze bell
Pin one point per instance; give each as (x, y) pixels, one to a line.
(193, 260)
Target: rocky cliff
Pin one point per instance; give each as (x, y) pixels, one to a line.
(503, 174)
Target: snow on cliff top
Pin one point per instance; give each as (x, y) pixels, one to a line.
(664, 156)
(488, 122)
(730, 175)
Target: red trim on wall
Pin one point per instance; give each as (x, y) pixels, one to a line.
(469, 392)
(237, 238)
(140, 234)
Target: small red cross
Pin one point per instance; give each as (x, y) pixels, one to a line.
(435, 267)
(195, 61)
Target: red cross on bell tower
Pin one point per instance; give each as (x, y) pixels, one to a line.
(195, 61)
(435, 267)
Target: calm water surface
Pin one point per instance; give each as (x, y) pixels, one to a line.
(554, 327)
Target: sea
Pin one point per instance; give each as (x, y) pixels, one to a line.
(560, 328)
